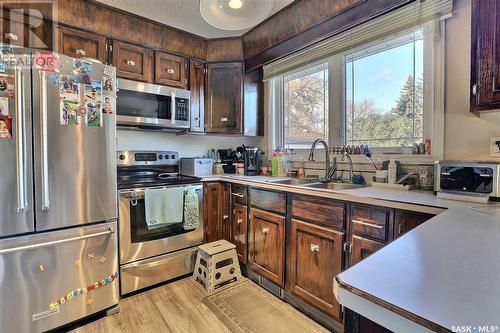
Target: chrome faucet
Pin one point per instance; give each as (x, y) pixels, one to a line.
(329, 170)
(351, 169)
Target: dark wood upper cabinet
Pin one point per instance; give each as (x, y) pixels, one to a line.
(197, 88)
(362, 248)
(132, 61)
(406, 220)
(170, 70)
(485, 57)
(315, 259)
(224, 99)
(266, 240)
(253, 100)
(78, 44)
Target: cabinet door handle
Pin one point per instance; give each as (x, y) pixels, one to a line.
(11, 36)
(400, 229)
(80, 52)
(314, 247)
(170, 71)
(239, 221)
(130, 62)
(223, 119)
(373, 225)
(238, 195)
(265, 230)
(225, 217)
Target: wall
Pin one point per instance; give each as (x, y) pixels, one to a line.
(466, 136)
(186, 145)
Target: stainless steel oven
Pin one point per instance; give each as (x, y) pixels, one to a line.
(150, 255)
(146, 105)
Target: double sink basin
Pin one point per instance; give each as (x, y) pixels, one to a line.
(309, 183)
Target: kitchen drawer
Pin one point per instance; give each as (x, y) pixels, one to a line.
(240, 194)
(268, 200)
(319, 210)
(39, 270)
(151, 271)
(372, 221)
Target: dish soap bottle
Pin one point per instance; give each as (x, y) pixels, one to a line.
(392, 171)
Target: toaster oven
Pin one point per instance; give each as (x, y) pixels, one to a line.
(476, 178)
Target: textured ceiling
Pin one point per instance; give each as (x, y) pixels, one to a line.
(180, 14)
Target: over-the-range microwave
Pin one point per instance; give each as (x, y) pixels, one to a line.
(151, 106)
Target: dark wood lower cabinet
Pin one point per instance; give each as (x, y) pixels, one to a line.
(267, 245)
(315, 259)
(239, 229)
(363, 248)
(406, 220)
(226, 211)
(212, 211)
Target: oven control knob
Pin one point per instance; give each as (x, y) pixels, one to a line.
(160, 157)
(167, 157)
(121, 157)
(173, 157)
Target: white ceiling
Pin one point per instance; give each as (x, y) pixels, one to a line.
(180, 14)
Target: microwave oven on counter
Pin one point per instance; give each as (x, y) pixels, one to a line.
(152, 106)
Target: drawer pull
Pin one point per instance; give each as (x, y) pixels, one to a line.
(130, 62)
(170, 71)
(265, 230)
(239, 195)
(239, 221)
(225, 217)
(80, 52)
(11, 36)
(314, 247)
(378, 226)
(223, 119)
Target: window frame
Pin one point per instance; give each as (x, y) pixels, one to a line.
(433, 68)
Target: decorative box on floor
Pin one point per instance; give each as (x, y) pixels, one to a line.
(216, 264)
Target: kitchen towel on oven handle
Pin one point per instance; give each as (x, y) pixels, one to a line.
(163, 206)
(191, 209)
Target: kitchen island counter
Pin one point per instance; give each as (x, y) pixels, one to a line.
(440, 275)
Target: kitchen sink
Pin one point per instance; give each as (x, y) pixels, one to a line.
(293, 181)
(334, 186)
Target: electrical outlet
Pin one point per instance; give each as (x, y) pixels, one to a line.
(495, 147)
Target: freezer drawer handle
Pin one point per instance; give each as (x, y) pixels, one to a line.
(21, 137)
(43, 139)
(57, 242)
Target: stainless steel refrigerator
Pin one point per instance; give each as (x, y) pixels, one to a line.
(58, 210)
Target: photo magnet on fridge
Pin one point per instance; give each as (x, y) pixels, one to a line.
(4, 106)
(109, 70)
(93, 102)
(107, 107)
(69, 113)
(6, 85)
(69, 90)
(82, 71)
(5, 127)
(108, 84)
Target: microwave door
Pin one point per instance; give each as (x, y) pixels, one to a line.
(16, 194)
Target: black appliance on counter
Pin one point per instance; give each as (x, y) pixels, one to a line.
(251, 156)
(228, 158)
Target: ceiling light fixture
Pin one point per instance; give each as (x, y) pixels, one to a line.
(235, 14)
(235, 4)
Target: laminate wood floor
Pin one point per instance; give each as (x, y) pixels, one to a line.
(174, 307)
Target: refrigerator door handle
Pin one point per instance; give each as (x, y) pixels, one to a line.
(43, 140)
(111, 230)
(20, 140)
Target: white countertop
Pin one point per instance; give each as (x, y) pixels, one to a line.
(446, 271)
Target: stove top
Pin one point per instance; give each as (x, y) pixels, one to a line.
(142, 169)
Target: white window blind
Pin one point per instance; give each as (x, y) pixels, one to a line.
(392, 23)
